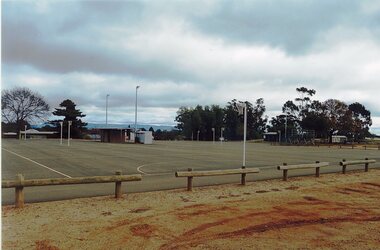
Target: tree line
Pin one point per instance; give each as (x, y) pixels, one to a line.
(21, 106)
(200, 123)
(299, 117)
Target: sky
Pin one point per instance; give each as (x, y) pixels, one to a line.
(184, 53)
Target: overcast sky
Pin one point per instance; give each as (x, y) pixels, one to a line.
(184, 53)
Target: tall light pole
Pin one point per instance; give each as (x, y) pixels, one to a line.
(213, 135)
(221, 135)
(68, 134)
(107, 109)
(61, 123)
(286, 128)
(136, 110)
(241, 107)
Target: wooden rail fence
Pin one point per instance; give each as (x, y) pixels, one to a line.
(20, 183)
(345, 163)
(190, 174)
(317, 165)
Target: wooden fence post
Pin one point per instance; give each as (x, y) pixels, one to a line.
(118, 191)
(19, 199)
(190, 181)
(366, 165)
(285, 173)
(243, 177)
(343, 167)
(317, 170)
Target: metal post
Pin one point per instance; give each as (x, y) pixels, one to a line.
(61, 123)
(213, 135)
(286, 129)
(68, 134)
(198, 135)
(221, 135)
(25, 134)
(245, 131)
(107, 109)
(136, 111)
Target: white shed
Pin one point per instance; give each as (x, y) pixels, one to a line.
(145, 137)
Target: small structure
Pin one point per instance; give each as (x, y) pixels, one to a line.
(271, 136)
(144, 137)
(339, 139)
(114, 135)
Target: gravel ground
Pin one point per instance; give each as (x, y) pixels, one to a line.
(334, 211)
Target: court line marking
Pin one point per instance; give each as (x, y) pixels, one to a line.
(68, 176)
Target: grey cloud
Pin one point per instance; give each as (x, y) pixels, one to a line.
(294, 26)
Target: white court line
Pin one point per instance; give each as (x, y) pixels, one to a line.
(144, 165)
(68, 176)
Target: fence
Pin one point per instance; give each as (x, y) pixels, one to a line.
(366, 163)
(190, 174)
(20, 183)
(316, 165)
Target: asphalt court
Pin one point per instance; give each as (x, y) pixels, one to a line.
(49, 159)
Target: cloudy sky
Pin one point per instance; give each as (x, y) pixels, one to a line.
(184, 53)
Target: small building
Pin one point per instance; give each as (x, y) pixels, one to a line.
(144, 137)
(339, 139)
(271, 136)
(115, 135)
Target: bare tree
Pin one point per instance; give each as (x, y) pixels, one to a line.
(21, 105)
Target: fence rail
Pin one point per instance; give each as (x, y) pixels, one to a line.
(190, 174)
(317, 165)
(366, 163)
(20, 183)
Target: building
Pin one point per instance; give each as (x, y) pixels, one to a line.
(339, 139)
(271, 136)
(144, 137)
(115, 135)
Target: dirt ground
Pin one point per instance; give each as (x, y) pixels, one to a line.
(334, 211)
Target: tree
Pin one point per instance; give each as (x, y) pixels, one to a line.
(20, 106)
(361, 119)
(72, 114)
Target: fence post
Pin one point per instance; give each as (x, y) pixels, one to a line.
(317, 170)
(366, 165)
(118, 191)
(243, 177)
(19, 199)
(285, 173)
(343, 167)
(190, 181)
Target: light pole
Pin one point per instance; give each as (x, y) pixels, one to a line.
(213, 135)
(61, 123)
(221, 135)
(279, 136)
(107, 109)
(68, 134)
(286, 128)
(136, 110)
(198, 135)
(243, 107)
